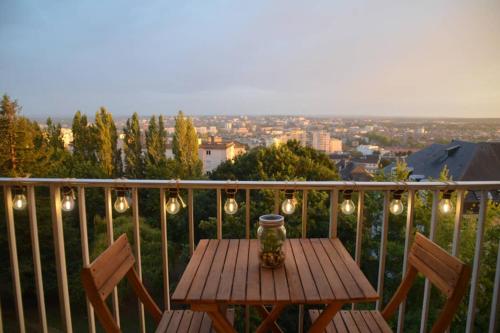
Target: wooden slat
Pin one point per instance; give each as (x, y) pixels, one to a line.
(200, 278)
(382, 324)
(351, 286)
(360, 322)
(428, 246)
(359, 277)
(226, 280)
(383, 251)
(164, 250)
(330, 272)
(267, 293)
(103, 268)
(175, 321)
(109, 285)
(292, 275)
(240, 273)
(349, 322)
(206, 323)
(191, 221)
(187, 277)
(448, 276)
(334, 213)
(370, 321)
(185, 321)
(314, 314)
(281, 285)
(196, 321)
(339, 324)
(162, 327)
(321, 281)
(214, 277)
(308, 285)
(253, 275)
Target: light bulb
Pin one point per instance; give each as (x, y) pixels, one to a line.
(396, 206)
(19, 202)
(173, 205)
(67, 202)
(121, 204)
(231, 206)
(445, 205)
(347, 207)
(288, 206)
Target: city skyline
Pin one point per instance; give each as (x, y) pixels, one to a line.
(357, 59)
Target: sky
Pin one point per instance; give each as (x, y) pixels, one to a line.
(423, 58)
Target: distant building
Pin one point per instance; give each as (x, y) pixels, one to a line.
(321, 141)
(213, 153)
(367, 149)
(335, 145)
(297, 134)
(466, 161)
(67, 137)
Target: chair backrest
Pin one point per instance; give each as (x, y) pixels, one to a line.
(105, 272)
(446, 272)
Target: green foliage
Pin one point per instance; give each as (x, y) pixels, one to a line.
(185, 148)
(107, 153)
(134, 159)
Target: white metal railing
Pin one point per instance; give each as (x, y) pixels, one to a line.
(334, 187)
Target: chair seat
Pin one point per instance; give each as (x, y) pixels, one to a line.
(354, 321)
(188, 321)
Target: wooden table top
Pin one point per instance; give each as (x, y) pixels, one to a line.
(315, 271)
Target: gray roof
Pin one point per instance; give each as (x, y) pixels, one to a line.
(465, 160)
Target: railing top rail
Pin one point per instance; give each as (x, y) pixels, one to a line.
(224, 184)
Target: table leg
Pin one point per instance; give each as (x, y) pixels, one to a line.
(271, 318)
(325, 317)
(264, 313)
(217, 314)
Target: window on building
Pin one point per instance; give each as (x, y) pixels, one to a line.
(208, 152)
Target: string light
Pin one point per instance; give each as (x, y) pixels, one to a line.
(68, 199)
(231, 206)
(445, 204)
(396, 206)
(19, 202)
(289, 204)
(347, 206)
(174, 202)
(121, 204)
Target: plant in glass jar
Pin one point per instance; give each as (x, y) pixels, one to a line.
(272, 235)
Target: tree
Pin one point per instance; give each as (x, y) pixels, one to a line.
(134, 159)
(10, 140)
(107, 152)
(185, 147)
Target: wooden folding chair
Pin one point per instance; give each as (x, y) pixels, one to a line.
(101, 277)
(444, 271)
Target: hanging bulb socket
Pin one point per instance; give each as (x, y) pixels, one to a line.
(121, 203)
(347, 206)
(19, 202)
(231, 205)
(396, 206)
(445, 204)
(174, 202)
(289, 204)
(67, 199)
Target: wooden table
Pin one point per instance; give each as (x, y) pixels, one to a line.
(316, 271)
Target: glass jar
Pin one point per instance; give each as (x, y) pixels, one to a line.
(271, 235)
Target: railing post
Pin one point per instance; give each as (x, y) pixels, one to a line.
(219, 213)
(37, 265)
(496, 296)
(82, 211)
(383, 251)
(191, 221)
(334, 204)
(471, 313)
(137, 246)
(247, 236)
(427, 287)
(359, 227)
(276, 201)
(303, 235)
(409, 225)
(62, 278)
(14, 264)
(458, 221)
(109, 228)
(164, 250)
